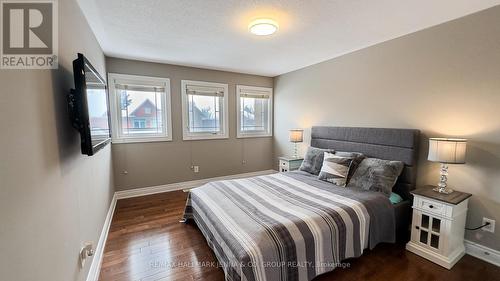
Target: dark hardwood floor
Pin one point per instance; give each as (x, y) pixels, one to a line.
(147, 242)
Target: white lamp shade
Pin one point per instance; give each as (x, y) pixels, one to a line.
(296, 135)
(450, 151)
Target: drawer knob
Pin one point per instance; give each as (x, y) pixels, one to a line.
(430, 206)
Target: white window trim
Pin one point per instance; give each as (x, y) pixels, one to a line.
(257, 134)
(115, 105)
(186, 135)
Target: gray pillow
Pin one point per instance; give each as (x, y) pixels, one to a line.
(335, 169)
(314, 160)
(357, 158)
(377, 175)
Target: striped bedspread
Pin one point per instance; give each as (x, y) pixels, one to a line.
(287, 226)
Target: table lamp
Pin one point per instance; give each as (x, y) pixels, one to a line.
(446, 151)
(296, 136)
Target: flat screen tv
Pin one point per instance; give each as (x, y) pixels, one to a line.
(88, 106)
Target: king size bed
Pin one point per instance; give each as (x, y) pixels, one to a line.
(293, 226)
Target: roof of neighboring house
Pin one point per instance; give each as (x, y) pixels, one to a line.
(139, 110)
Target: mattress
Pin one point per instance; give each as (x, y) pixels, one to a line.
(287, 226)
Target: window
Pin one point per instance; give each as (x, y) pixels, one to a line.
(255, 111)
(204, 110)
(139, 124)
(140, 108)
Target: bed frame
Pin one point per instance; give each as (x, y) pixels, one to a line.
(390, 144)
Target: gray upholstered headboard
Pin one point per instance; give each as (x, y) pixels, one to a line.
(389, 144)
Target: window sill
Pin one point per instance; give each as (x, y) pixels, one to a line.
(204, 137)
(244, 136)
(139, 140)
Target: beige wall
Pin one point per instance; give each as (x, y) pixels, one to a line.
(444, 81)
(150, 164)
(52, 198)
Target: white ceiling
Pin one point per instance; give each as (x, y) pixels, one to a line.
(213, 33)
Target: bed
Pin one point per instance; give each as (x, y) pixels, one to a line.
(292, 226)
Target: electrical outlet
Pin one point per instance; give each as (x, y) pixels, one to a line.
(244, 162)
(490, 227)
(196, 169)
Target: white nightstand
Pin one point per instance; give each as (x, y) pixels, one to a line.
(289, 164)
(438, 225)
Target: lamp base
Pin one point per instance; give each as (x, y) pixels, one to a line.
(443, 190)
(295, 151)
(443, 180)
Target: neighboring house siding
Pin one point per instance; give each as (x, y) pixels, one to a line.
(144, 116)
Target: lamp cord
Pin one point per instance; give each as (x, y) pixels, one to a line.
(479, 227)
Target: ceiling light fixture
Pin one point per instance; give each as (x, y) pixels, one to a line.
(263, 27)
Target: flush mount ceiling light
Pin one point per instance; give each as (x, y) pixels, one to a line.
(263, 27)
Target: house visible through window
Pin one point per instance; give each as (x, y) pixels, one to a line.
(204, 110)
(254, 111)
(141, 111)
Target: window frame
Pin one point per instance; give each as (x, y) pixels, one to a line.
(186, 134)
(115, 103)
(254, 134)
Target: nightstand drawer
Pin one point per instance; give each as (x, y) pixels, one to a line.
(432, 207)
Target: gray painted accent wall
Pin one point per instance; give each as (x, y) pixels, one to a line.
(444, 80)
(157, 163)
(52, 198)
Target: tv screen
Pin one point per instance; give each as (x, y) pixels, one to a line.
(89, 110)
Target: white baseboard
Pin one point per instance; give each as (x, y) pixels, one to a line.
(183, 185)
(95, 266)
(481, 252)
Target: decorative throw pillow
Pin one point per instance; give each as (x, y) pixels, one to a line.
(377, 175)
(357, 158)
(313, 160)
(335, 169)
